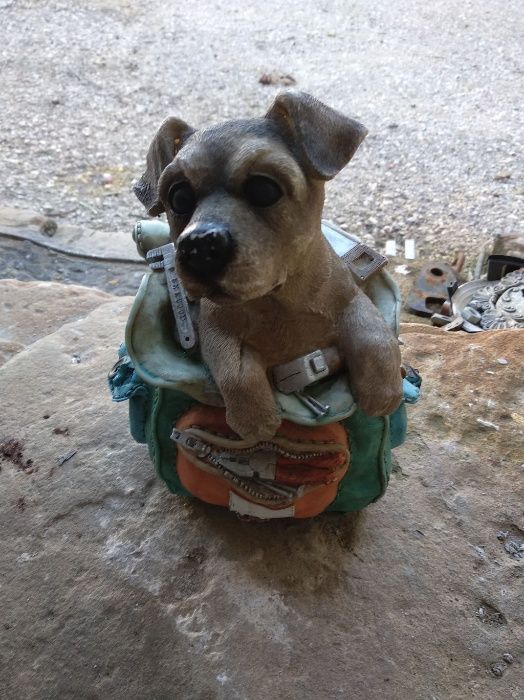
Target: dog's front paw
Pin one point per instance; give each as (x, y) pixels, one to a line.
(380, 400)
(254, 423)
(377, 387)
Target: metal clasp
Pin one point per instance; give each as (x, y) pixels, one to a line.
(295, 375)
(363, 261)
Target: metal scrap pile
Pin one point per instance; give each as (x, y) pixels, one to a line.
(493, 300)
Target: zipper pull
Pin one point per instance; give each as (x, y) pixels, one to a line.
(239, 465)
(190, 443)
(261, 463)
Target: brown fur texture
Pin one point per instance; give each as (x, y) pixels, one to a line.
(285, 292)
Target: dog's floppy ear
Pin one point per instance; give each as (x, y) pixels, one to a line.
(167, 142)
(325, 138)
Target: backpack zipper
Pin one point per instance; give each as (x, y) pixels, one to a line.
(239, 466)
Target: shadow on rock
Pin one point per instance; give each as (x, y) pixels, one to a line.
(305, 556)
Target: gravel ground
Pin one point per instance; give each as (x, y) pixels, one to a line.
(439, 86)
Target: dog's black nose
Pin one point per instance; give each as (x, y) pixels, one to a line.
(205, 249)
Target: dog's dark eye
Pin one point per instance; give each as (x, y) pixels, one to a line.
(182, 198)
(262, 191)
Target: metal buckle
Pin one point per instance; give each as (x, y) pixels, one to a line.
(363, 261)
(114, 369)
(297, 374)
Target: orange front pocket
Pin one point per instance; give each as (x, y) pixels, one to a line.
(295, 474)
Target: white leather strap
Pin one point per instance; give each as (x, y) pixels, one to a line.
(239, 505)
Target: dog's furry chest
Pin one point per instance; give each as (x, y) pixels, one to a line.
(280, 335)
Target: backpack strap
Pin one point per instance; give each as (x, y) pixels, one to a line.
(307, 369)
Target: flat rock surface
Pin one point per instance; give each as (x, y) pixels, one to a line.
(118, 589)
(31, 310)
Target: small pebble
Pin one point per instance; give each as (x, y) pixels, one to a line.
(487, 424)
(514, 549)
(502, 361)
(518, 418)
(508, 658)
(481, 554)
(65, 458)
(49, 227)
(498, 669)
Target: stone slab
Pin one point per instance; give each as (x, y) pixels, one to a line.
(114, 588)
(31, 310)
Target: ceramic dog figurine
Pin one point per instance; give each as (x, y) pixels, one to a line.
(244, 202)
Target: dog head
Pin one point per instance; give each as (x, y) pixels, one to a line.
(244, 199)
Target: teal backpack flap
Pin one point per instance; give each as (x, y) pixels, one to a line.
(126, 385)
(152, 346)
(152, 413)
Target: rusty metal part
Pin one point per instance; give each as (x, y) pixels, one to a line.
(430, 289)
(446, 309)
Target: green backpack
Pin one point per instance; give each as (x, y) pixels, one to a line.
(162, 382)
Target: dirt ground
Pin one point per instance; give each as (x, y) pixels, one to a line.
(439, 86)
